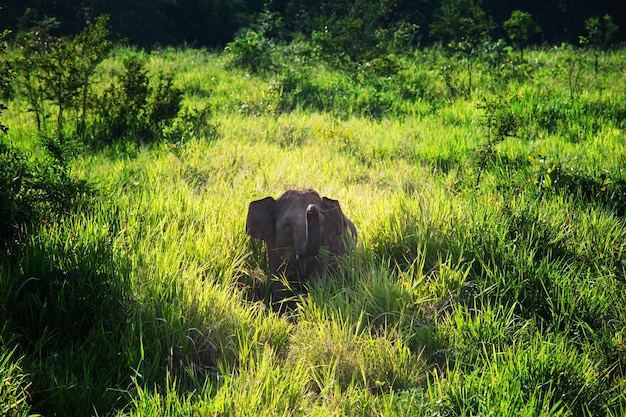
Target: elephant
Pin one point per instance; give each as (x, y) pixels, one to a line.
(303, 234)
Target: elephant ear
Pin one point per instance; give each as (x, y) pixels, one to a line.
(260, 223)
(334, 218)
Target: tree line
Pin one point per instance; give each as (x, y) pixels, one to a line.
(214, 23)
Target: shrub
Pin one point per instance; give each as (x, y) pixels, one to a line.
(33, 191)
(133, 108)
(14, 210)
(250, 50)
(500, 123)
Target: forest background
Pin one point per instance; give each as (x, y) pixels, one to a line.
(213, 23)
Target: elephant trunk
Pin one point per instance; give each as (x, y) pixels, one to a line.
(313, 238)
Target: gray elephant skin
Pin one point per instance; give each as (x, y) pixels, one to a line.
(303, 235)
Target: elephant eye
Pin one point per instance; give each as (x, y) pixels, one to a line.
(287, 225)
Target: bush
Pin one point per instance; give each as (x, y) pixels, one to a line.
(14, 210)
(251, 51)
(133, 108)
(33, 191)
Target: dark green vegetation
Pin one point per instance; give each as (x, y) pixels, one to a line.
(357, 27)
(487, 187)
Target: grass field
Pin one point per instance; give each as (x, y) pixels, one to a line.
(488, 277)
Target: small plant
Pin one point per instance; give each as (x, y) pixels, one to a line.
(33, 191)
(572, 66)
(500, 123)
(190, 124)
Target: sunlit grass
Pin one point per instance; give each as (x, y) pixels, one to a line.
(500, 298)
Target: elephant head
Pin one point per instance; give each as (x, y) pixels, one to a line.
(301, 230)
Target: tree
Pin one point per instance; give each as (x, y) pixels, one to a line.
(353, 30)
(91, 47)
(463, 26)
(600, 33)
(461, 23)
(58, 69)
(520, 27)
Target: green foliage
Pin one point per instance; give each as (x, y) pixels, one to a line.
(461, 25)
(607, 190)
(211, 24)
(520, 28)
(500, 123)
(59, 70)
(6, 74)
(190, 124)
(357, 32)
(600, 34)
(135, 109)
(383, 87)
(33, 192)
(250, 50)
(14, 210)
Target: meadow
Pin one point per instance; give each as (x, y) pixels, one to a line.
(488, 277)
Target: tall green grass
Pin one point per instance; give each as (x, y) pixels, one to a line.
(497, 298)
(13, 392)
